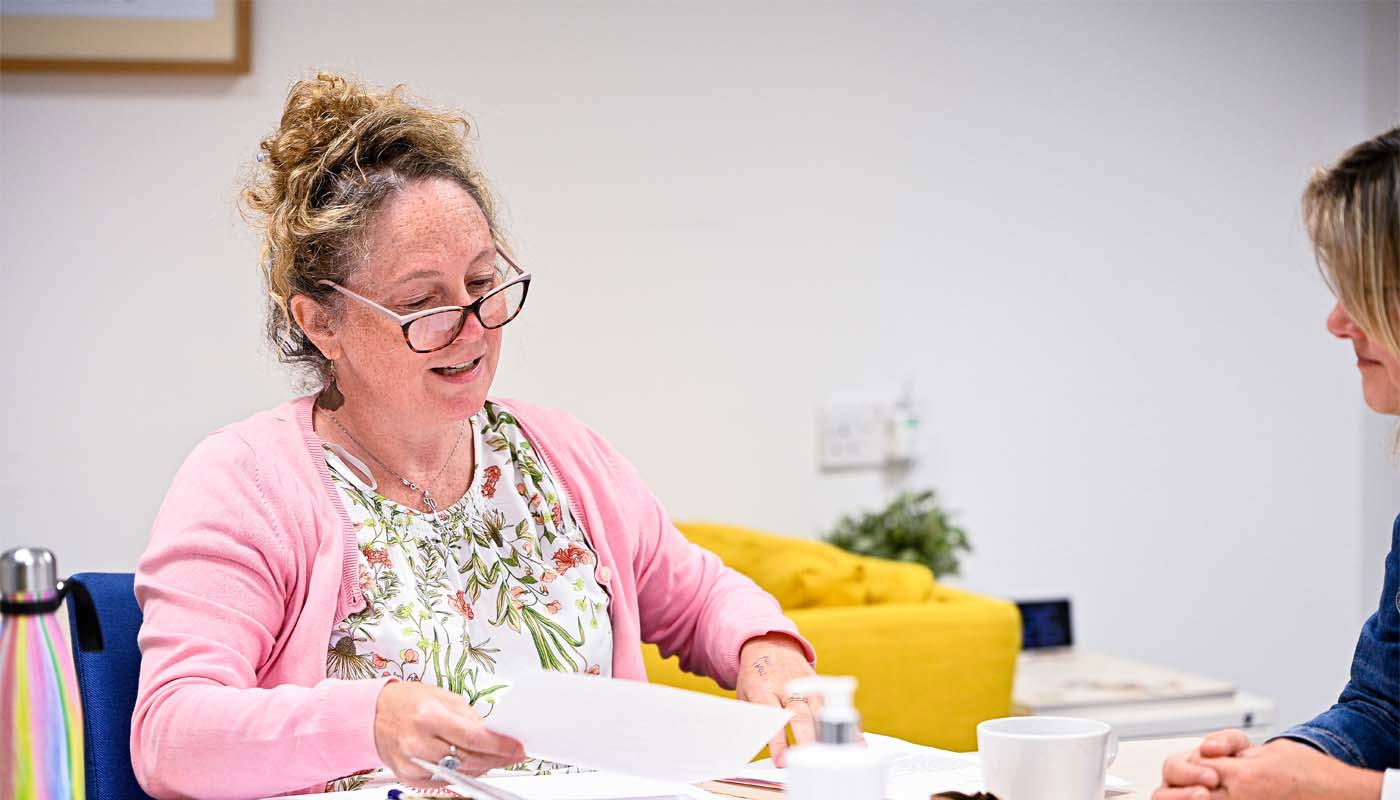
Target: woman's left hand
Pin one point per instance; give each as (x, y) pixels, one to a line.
(766, 664)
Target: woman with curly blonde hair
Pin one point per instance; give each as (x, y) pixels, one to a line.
(349, 580)
(1352, 750)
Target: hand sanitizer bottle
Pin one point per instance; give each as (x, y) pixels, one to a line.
(838, 766)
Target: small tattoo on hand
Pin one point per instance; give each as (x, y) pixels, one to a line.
(761, 666)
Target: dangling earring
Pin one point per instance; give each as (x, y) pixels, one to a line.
(331, 398)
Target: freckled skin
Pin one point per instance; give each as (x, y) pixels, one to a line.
(394, 404)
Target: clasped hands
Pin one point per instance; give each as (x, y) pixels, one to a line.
(1226, 766)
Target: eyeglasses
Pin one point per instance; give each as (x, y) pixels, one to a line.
(435, 328)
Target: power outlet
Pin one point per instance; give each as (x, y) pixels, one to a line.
(853, 435)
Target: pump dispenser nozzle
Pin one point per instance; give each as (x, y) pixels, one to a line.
(837, 721)
(835, 766)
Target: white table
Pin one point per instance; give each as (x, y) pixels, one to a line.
(1138, 762)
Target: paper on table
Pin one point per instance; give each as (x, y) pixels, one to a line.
(633, 728)
(915, 771)
(912, 769)
(580, 786)
(596, 786)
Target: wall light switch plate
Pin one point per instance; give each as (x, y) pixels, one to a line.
(852, 435)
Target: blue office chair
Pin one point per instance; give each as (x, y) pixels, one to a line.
(107, 683)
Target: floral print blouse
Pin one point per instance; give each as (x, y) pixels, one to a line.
(502, 581)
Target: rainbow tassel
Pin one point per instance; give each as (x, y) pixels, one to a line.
(40, 715)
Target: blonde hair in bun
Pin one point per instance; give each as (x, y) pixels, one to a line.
(341, 149)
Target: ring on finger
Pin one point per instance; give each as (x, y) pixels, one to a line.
(450, 761)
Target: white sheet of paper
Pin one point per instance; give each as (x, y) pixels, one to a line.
(912, 769)
(631, 727)
(596, 786)
(580, 786)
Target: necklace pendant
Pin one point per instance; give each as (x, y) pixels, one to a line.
(435, 514)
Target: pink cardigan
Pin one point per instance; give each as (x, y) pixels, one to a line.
(253, 558)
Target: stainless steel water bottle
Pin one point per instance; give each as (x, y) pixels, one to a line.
(40, 714)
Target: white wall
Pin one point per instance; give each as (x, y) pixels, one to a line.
(1074, 227)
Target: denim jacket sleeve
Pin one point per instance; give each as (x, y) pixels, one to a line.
(1363, 728)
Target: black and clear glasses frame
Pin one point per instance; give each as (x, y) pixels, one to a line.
(521, 280)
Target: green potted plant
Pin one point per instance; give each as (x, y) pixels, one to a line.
(913, 527)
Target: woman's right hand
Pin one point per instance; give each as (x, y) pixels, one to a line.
(413, 720)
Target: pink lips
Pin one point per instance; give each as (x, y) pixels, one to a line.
(1363, 362)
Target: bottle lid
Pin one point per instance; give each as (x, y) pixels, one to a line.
(28, 574)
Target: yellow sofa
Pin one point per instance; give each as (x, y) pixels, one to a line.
(932, 661)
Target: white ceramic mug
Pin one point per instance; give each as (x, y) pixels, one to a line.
(1045, 758)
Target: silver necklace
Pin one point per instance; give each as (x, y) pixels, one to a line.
(426, 490)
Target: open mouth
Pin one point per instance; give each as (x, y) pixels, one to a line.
(458, 369)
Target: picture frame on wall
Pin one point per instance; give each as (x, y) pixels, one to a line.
(152, 36)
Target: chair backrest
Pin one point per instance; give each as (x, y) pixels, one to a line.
(107, 685)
